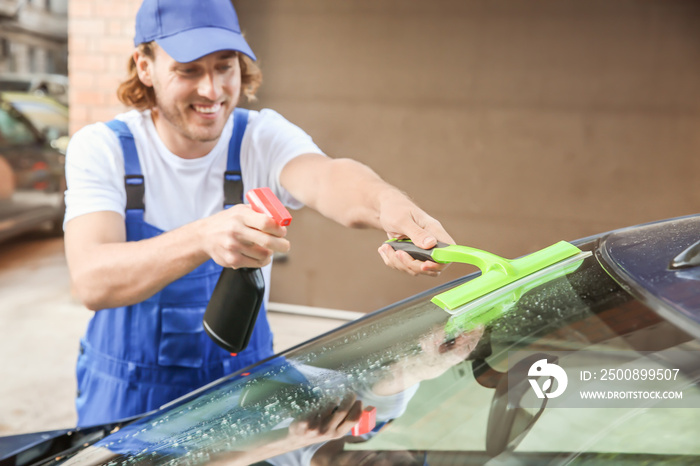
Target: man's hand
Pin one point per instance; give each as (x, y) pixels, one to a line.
(401, 218)
(108, 271)
(240, 237)
(332, 421)
(355, 196)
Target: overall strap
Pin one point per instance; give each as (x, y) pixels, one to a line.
(233, 180)
(133, 178)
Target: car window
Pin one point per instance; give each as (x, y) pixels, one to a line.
(433, 401)
(13, 131)
(14, 85)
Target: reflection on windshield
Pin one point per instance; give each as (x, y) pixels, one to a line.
(266, 407)
(433, 380)
(550, 308)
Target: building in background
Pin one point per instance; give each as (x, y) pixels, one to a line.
(516, 124)
(34, 36)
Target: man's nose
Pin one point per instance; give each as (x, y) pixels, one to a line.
(210, 86)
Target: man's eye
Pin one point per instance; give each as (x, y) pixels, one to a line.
(187, 71)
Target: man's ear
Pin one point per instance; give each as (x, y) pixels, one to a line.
(144, 67)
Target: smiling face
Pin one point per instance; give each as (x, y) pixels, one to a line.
(193, 100)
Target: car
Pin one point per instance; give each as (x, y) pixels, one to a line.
(504, 377)
(48, 115)
(32, 176)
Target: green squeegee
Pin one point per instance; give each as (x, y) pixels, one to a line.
(496, 272)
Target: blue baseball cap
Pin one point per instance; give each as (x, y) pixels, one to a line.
(190, 29)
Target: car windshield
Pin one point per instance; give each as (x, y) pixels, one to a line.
(14, 131)
(44, 115)
(437, 382)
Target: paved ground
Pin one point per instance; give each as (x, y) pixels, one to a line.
(40, 326)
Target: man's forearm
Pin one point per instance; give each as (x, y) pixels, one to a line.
(354, 195)
(118, 273)
(108, 271)
(343, 190)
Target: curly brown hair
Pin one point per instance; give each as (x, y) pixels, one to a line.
(133, 93)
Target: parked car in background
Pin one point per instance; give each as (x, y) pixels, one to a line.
(459, 388)
(48, 115)
(32, 175)
(43, 84)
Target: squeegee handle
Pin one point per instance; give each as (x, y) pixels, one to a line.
(413, 250)
(447, 253)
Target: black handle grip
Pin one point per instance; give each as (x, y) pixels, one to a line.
(413, 250)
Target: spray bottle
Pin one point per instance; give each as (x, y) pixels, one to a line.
(234, 305)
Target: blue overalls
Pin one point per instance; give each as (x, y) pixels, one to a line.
(133, 359)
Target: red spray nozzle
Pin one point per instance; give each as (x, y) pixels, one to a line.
(264, 201)
(367, 422)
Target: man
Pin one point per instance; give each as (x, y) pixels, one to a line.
(146, 233)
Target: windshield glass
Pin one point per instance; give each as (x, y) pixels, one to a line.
(437, 386)
(13, 131)
(44, 115)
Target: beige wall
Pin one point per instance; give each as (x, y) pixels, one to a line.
(516, 124)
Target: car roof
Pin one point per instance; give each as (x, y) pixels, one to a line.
(640, 259)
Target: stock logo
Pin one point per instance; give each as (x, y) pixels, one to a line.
(542, 368)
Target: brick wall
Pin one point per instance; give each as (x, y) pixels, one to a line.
(100, 34)
(517, 124)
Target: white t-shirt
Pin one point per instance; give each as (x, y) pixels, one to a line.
(178, 191)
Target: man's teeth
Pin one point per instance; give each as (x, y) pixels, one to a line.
(207, 109)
